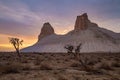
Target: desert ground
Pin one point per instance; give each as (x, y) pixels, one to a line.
(59, 66)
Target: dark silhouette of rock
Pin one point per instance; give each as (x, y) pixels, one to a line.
(46, 30)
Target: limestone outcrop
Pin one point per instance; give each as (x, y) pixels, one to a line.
(82, 22)
(46, 30)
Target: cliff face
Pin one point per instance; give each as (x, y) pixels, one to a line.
(82, 22)
(92, 37)
(46, 30)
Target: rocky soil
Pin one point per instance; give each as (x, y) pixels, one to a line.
(60, 66)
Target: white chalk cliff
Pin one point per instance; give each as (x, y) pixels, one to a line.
(92, 37)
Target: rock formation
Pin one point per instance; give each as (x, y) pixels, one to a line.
(82, 22)
(46, 30)
(92, 37)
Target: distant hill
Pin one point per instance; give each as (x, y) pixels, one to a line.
(92, 37)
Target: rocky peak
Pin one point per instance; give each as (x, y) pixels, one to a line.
(46, 30)
(82, 22)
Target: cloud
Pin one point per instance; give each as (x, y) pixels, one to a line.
(6, 46)
(15, 28)
(60, 13)
(19, 13)
(24, 18)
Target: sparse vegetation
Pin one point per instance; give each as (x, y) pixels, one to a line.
(75, 64)
(106, 66)
(69, 48)
(16, 42)
(58, 67)
(11, 68)
(45, 67)
(77, 50)
(116, 64)
(38, 60)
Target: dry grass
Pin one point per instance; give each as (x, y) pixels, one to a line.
(106, 66)
(38, 60)
(11, 68)
(24, 60)
(75, 64)
(116, 64)
(45, 66)
(59, 67)
(26, 67)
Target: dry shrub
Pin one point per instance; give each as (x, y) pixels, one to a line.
(26, 67)
(86, 63)
(38, 60)
(92, 61)
(89, 68)
(116, 64)
(99, 67)
(103, 65)
(75, 65)
(24, 60)
(12, 68)
(106, 66)
(45, 66)
(114, 78)
(62, 77)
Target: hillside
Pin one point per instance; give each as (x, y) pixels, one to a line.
(92, 37)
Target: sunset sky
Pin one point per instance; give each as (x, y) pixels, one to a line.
(24, 18)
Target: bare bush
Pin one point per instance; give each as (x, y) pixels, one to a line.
(16, 42)
(103, 65)
(69, 48)
(11, 68)
(116, 64)
(26, 67)
(38, 60)
(45, 67)
(24, 60)
(75, 64)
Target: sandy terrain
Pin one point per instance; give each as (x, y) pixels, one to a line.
(60, 66)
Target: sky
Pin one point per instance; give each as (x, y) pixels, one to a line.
(24, 18)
